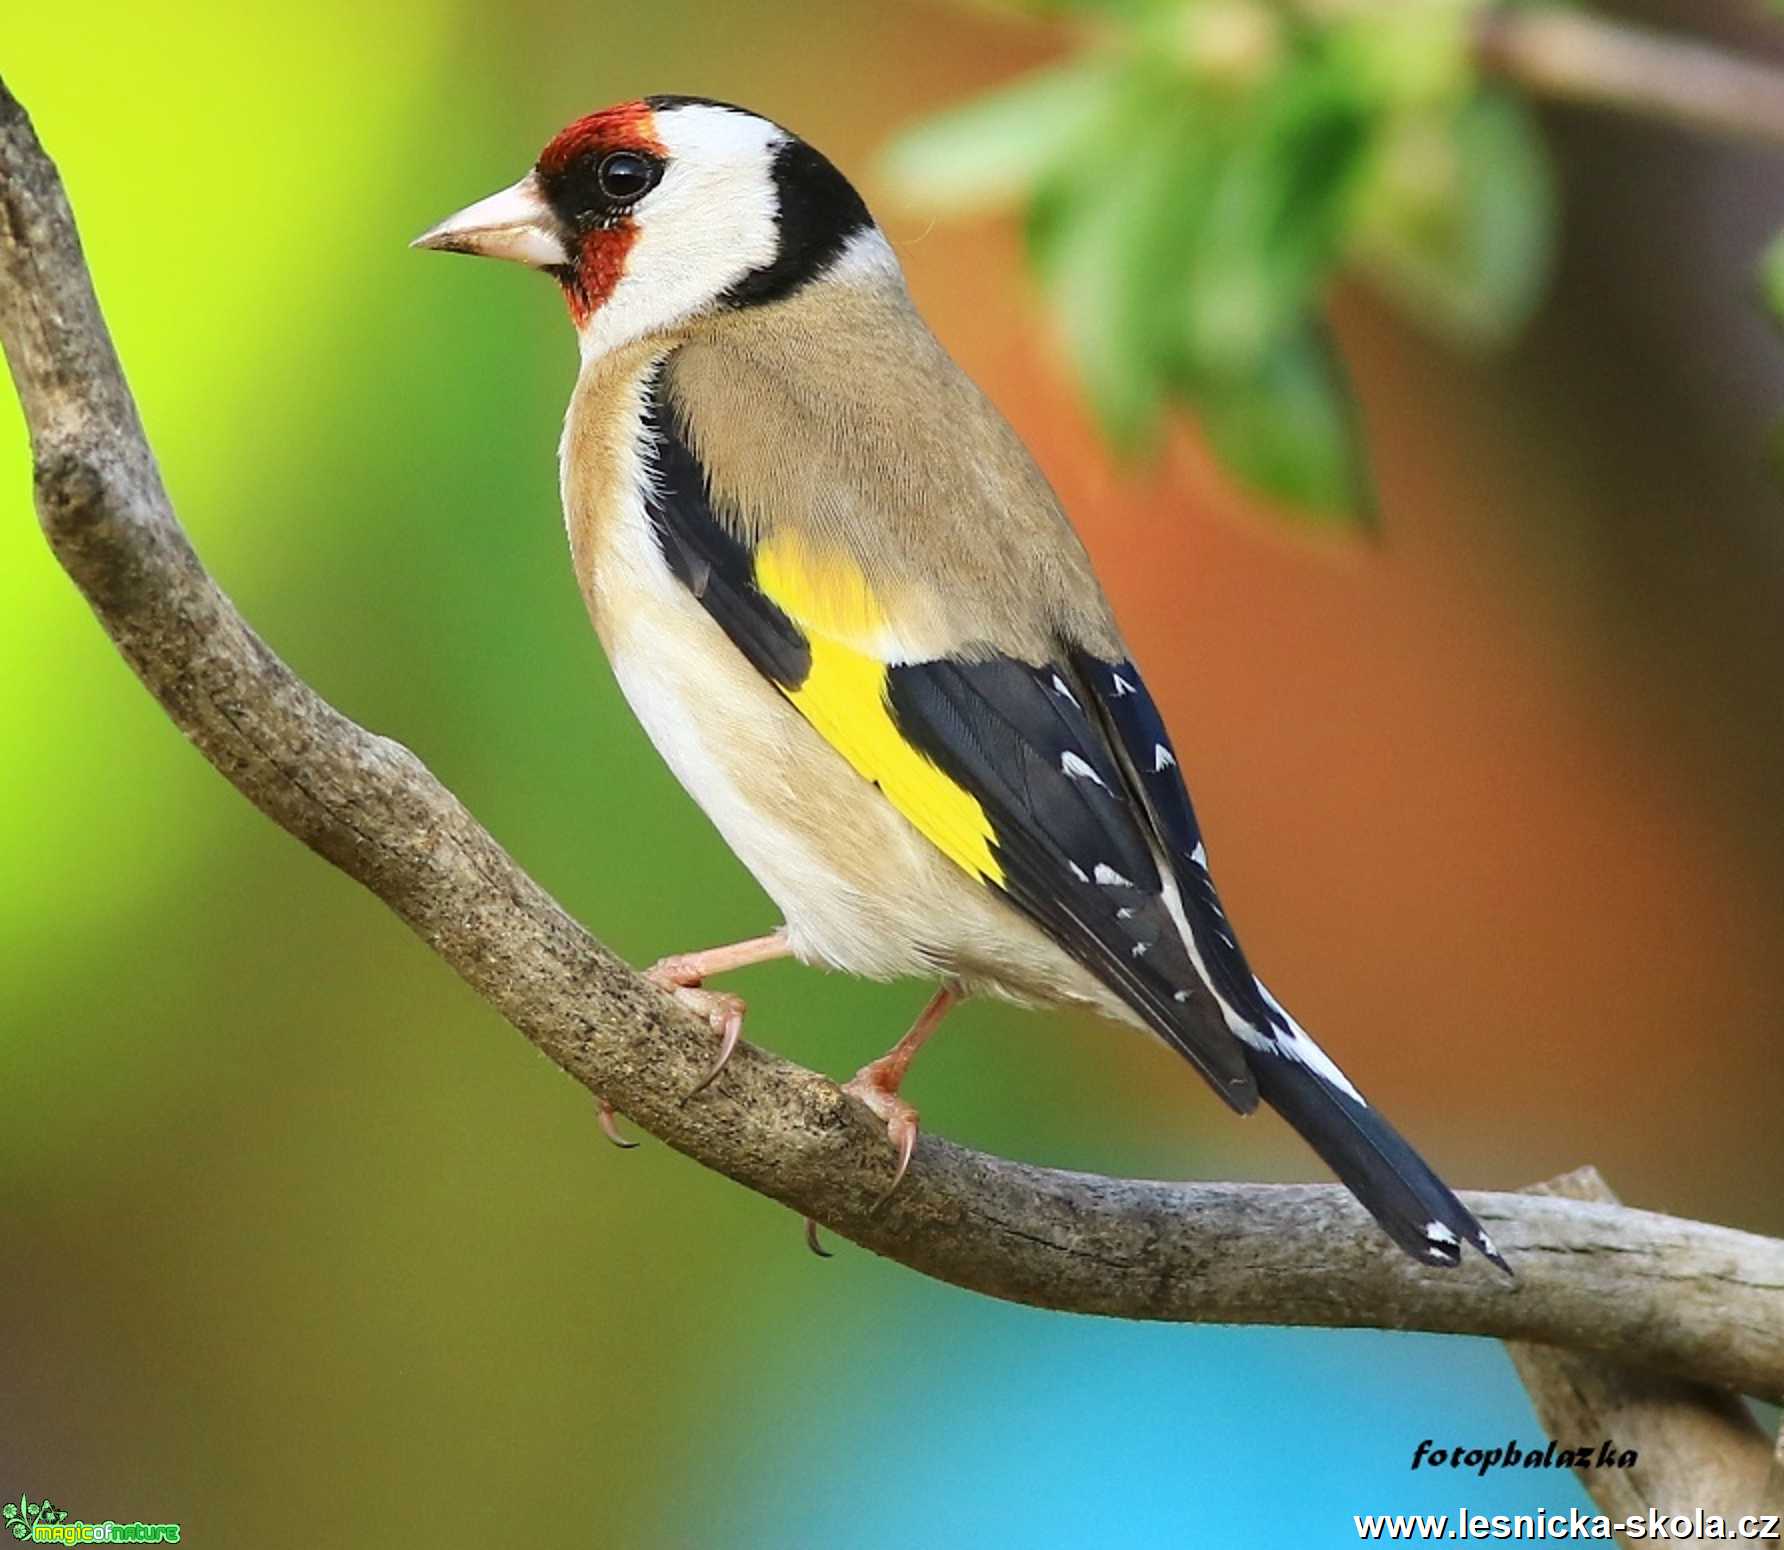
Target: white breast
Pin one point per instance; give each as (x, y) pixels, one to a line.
(740, 750)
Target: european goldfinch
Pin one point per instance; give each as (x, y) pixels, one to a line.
(852, 617)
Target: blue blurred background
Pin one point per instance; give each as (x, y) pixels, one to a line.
(302, 1245)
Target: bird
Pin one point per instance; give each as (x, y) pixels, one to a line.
(852, 616)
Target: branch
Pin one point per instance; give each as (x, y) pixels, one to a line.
(1578, 57)
(1678, 1295)
(1697, 1447)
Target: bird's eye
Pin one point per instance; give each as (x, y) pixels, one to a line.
(624, 176)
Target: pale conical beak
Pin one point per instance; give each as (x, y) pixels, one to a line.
(516, 224)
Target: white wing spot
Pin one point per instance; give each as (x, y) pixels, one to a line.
(1078, 872)
(1079, 769)
(1059, 688)
(1200, 855)
(1109, 877)
(1124, 913)
(1122, 686)
(1162, 758)
(1438, 1233)
(1180, 995)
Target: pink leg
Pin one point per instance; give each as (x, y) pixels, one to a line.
(876, 1084)
(682, 976)
(692, 968)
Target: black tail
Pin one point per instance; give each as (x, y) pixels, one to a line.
(1415, 1207)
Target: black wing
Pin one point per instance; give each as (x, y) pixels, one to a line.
(1071, 836)
(1133, 721)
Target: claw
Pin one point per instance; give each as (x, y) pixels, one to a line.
(903, 1130)
(724, 1015)
(680, 977)
(811, 1239)
(872, 1084)
(610, 1128)
(729, 1026)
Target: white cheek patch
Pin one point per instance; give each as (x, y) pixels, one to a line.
(710, 222)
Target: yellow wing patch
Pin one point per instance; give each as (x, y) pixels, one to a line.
(825, 594)
(844, 699)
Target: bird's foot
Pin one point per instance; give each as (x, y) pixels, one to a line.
(876, 1085)
(681, 976)
(679, 970)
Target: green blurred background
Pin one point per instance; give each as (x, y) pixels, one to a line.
(303, 1246)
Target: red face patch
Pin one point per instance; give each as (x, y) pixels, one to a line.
(629, 127)
(601, 253)
(600, 263)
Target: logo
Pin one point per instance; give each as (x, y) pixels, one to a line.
(24, 1515)
(44, 1523)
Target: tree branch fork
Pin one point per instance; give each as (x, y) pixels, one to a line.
(1699, 1302)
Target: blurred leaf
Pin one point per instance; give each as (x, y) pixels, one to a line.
(1274, 221)
(1458, 225)
(1219, 45)
(1194, 187)
(1108, 239)
(1290, 430)
(1189, 267)
(1404, 56)
(990, 153)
